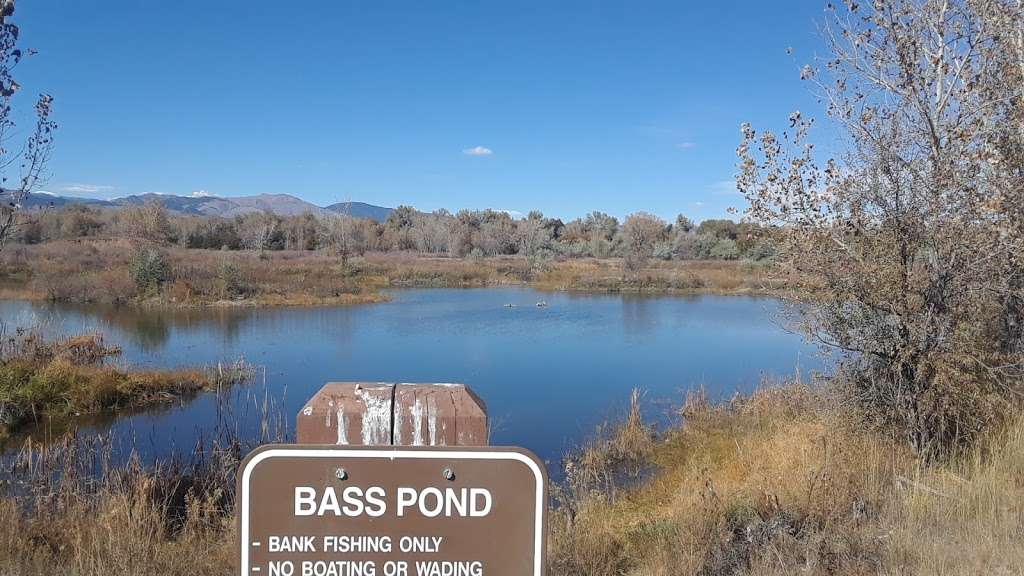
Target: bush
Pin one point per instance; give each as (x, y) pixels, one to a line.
(230, 280)
(572, 249)
(663, 250)
(149, 269)
(725, 249)
(694, 246)
(762, 251)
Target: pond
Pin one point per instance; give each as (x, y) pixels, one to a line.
(549, 374)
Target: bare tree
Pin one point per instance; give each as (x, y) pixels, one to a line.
(641, 231)
(32, 157)
(148, 221)
(339, 234)
(430, 232)
(258, 230)
(912, 240)
(532, 234)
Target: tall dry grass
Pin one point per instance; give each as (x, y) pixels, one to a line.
(66, 509)
(75, 507)
(785, 482)
(781, 482)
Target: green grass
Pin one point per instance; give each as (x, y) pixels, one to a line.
(73, 376)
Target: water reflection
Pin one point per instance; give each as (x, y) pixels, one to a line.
(548, 374)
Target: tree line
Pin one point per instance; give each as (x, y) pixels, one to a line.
(467, 233)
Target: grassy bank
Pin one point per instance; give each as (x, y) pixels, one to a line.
(777, 483)
(785, 482)
(74, 376)
(120, 271)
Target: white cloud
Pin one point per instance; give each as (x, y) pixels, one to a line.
(86, 188)
(478, 151)
(512, 213)
(686, 145)
(724, 188)
(699, 204)
(200, 194)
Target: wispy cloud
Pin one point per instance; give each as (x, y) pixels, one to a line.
(478, 151)
(86, 188)
(724, 188)
(686, 145)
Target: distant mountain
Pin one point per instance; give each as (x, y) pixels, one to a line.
(40, 200)
(280, 204)
(225, 207)
(361, 210)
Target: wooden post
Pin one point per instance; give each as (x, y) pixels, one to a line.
(382, 414)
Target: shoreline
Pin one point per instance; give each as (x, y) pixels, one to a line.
(101, 272)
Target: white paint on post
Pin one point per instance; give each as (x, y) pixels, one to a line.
(397, 427)
(342, 427)
(432, 419)
(417, 422)
(376, 428)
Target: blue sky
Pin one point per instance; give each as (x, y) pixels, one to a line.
(560, 106)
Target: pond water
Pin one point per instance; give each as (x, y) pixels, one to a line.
(548, 374)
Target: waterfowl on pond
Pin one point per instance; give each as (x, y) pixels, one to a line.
(542, 303)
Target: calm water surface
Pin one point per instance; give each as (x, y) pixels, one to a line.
(548, 375)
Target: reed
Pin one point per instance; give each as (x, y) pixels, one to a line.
(785, 482)
(73, 376)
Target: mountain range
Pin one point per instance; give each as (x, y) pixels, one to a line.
(225, 207)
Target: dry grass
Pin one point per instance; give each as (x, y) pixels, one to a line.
(59, 518)
(777, 483)
(715, 277)
(98, 270)
(782, 483)
(71, 376)
(68, 507)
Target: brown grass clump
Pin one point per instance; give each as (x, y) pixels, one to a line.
(60, 518)
(42, 378)
(781, 483)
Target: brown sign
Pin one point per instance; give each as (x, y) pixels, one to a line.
(382, 413)
(382, 511)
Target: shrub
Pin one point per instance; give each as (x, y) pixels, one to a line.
(230, 280)
(912, 235)
(763, 250)
(725, 249)
(694, 246)
(149, 269)
(663, 250)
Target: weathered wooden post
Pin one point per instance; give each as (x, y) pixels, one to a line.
(392, 480)
(382, 414)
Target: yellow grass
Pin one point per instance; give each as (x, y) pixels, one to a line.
(782, 483)
(778, 483)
